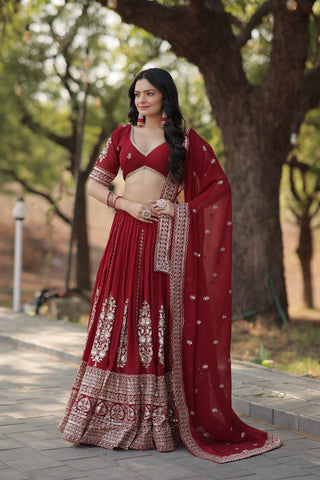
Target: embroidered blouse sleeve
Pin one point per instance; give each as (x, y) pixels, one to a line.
(107, 165)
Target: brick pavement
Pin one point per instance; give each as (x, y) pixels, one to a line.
(267, 394)
(35, 388)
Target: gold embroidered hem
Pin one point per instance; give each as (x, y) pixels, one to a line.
(111, 410)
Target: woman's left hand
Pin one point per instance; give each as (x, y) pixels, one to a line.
(163, 207)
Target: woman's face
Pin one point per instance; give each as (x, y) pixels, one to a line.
(148, 99)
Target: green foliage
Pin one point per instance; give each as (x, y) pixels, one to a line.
(50, 51)
(308, 142)
(263, 359)
(293, 348)
(22, 153)
(256, 52)
(306, 366)
(303, 357)
(306, 181)
(314, 30)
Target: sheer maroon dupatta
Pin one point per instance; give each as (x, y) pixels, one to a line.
(200, 292)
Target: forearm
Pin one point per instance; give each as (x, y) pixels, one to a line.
(102, 193)
(98, 191)
(123, 204)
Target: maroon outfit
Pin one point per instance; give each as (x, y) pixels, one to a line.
(156, 366)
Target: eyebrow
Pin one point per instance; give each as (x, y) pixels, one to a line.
(148, 90)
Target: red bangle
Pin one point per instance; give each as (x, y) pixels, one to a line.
(115, 201)
(108, 197)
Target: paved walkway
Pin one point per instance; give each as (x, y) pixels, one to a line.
(35, 388)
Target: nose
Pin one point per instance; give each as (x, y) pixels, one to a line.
(142, 98)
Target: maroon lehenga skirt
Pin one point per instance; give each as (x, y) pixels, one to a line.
(122, 395)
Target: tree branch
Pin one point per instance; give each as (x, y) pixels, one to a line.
(159, 19)
(255, 20)
(304, 183)
(66, 40)
(200, 33)
(66, 142)
(236, 22)
(195, 19)
(95, 151)
(302, 166)
(196, 4)
(316, 211)
(292, 210)
(31, 189)
(67, 76)
(309, 97)
(292, 184)
(286, 56)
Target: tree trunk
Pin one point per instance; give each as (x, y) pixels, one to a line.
(83, 267)
(305, 251)
(257, 239)
(255, 121)
(254, 154)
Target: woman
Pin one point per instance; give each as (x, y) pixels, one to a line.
(156, 366)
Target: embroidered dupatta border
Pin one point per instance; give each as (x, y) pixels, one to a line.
(178, 262)
(162, 261)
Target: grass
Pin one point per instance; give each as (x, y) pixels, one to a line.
(294, 348)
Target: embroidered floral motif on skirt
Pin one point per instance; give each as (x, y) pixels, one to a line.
(122, 395)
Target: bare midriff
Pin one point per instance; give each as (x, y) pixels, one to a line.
(143, 185)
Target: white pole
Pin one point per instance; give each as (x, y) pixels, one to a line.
(17, 266)
(19, 215)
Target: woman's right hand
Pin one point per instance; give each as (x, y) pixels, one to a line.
(144, 212)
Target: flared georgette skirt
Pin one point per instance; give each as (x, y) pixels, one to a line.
(122, 395)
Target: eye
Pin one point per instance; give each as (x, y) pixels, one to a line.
(150, 94)
(136, 94)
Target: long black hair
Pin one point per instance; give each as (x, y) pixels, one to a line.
(174, 126)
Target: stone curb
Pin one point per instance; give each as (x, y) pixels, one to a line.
(54, 352)
(277, 416)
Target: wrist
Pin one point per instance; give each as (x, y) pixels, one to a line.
(110, 198)
(121, 203)
(116, 202)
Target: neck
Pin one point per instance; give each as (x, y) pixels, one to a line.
(153, 122)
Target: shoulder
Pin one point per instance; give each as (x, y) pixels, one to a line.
(119, 132)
